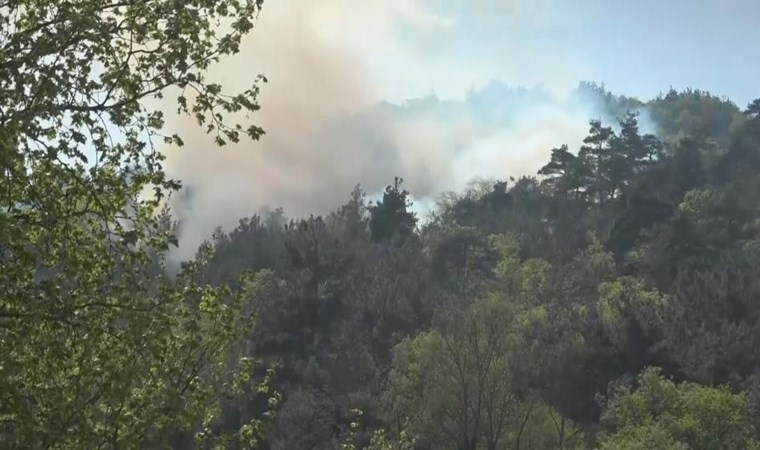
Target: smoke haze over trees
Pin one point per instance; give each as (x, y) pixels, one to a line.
(605, 301)
(486, 267)
(428, 90)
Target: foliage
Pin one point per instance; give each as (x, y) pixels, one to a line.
(510, 320)
(662, 414)
(379, 439)
(101, 349)
(507, 320)
(454, 384)
(390, 218)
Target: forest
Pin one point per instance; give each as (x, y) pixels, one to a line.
(608, 301)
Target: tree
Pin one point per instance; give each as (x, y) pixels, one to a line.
(597, 155)
(663, 415)
(566, 173)
(96, 353)
(600, 326)
(694, 114)
(391, 218)
(637, 149)
(379, 439)
(305, 422)
(462, 259)
(458, 384)
(454, 384)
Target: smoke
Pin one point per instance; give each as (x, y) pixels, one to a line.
(331, 65)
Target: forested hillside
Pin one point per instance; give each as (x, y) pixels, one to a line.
(608, 301)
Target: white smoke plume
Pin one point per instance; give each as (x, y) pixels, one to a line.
(328, 127)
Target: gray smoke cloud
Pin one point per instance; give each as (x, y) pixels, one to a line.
(328, 128)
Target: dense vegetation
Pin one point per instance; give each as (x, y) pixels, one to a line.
(98, 348)
(609, 301)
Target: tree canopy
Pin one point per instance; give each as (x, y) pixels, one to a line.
(534, 313)
(607, 301)
(100, 348)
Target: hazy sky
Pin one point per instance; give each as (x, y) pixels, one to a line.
(331, 62)
(637, 48)
(642, 47)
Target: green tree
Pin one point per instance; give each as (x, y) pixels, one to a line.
(566, 174)
(458, 385)
(600, 326)
(597, 155)
(454, 385)
(379, 440)
(98, 352)
(695, 114)
(391, 218)
(663, 415)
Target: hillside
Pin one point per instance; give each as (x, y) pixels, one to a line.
(517, 316)
(480, 267)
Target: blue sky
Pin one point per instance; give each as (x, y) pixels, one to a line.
(642, 47)
(637, 48)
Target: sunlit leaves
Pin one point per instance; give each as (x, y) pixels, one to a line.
(99, 348)
(660, 414)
